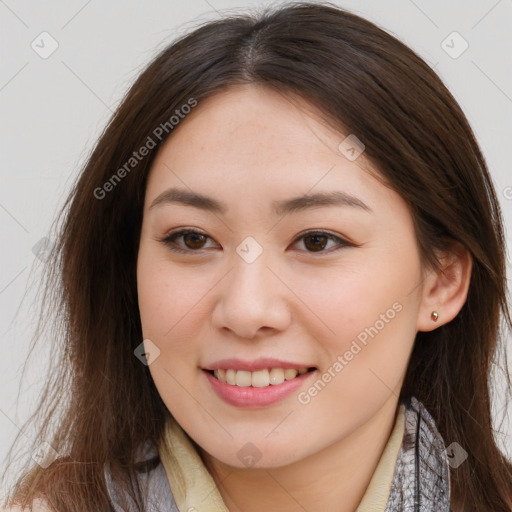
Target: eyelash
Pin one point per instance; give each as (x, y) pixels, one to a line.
(168, 241)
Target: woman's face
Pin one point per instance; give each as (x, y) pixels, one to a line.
(259, 288)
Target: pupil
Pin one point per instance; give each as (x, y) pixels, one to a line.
(317, 239)
(189, 237)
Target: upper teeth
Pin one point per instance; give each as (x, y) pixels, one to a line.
(258, 379)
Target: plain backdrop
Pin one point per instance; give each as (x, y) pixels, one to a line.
(65, 65)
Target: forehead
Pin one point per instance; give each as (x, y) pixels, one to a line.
(253, 141)
(252, 123)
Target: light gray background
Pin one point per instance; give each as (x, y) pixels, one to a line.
(53, 109)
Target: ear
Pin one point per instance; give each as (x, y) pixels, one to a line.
(445, 290)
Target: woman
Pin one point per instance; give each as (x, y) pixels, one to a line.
(283, 277)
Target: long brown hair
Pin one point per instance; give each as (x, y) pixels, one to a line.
(100, 404)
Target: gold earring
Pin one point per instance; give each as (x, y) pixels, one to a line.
(434, 315)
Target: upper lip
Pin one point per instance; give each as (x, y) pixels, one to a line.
(253, 366)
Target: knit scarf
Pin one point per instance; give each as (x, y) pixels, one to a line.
(421, 479)
(421, 482)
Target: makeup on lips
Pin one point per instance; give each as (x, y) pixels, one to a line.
(258, 383)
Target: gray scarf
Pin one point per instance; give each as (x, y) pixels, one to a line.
(421, 482)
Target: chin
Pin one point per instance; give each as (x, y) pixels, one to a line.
(253, 456)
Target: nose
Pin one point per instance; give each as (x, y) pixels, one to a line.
(251, 300)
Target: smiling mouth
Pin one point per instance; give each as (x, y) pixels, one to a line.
(260, 378)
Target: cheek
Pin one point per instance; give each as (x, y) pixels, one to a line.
(168, 296)
(168, 305)
(367, 288)
(372, 313)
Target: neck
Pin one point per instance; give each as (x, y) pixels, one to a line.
(333, 480)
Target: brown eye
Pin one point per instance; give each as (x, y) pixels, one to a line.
(321, 242)
(186, 241)
(194, 240)
(315, 242)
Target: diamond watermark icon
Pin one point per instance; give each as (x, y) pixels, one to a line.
(454, 45)
(456, 455)
(44, 455)
(44, 45)
(147, 352)
(42, 249)
(351, 147)
(249, 455)
(249, 250)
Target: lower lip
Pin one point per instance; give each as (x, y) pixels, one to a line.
(252, 398)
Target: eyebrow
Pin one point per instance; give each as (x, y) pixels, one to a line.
(295, 204)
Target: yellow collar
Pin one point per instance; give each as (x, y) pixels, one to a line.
(194, 489)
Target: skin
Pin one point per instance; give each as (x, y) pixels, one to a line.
(247, 147)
